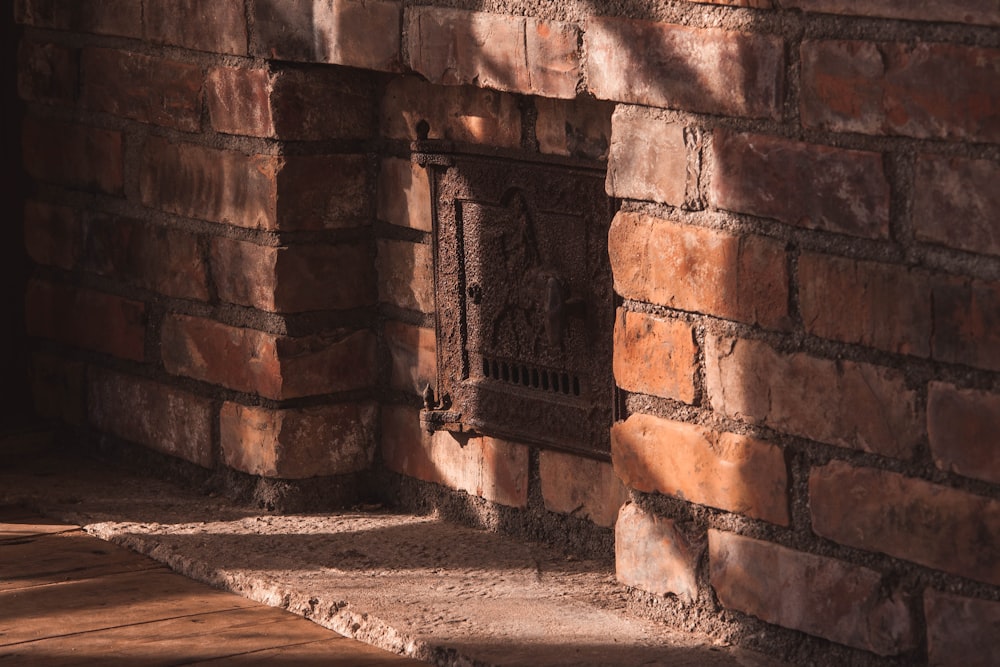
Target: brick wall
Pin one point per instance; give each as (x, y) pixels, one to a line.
(235, 267)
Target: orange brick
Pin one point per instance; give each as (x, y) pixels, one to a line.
(578, 128)
(954, 11)
(404, 195)
(648, 160)
(654, 356)
(652, 554)
(580, 487)
(406, 275)
(414, 356)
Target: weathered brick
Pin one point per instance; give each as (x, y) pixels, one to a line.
(273, 366)
(654, 356)
(404, 194)
(863, 406)
(413, 353)
(84, 318)
(457, 113)
(956, 11)
(967, 323)
(143, 88)
(73, 155)
(53, 234)
(105, 17)
(694, 69)
(291, 279)
(151, 414)
(47, 72)
(928, 91)
(202, 25)
(406, 275)
(741, 278)
(961, 632)
(648, 160)
(806, 185)
(820, 596)
(694, 463)
(58, 387)
(936, 526)
(580, 487)
(578, 128)
(866, 303)
(964, 430)
(298, 443)
(493, 469)
(357, 33)
(949, 189)
(652, 554)
(323, 192)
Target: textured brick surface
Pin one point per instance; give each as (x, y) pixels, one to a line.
(961, 632)
(864, 407)
(404, 194)
(59, 388)
(950, 189)
(77, 156)
(820, 596)
(53, 234)
(942, 528)
(104, 17)
(581, 128)
(47, 73)
(413, 353)
(653, 554)
(203, 25)
(654, 356)
(406, 275)
(967, 323)
(957, 11)
(694, 463)
(964, 430)
(648, 160)
(580, 487)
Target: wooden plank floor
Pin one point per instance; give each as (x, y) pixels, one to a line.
(67, 598)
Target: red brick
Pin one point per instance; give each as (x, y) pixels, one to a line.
(694, 463)
(648, 160)
(742, 278)
(936, 526)
(553, 53)
(654, 356)
(694, 69)
(967, 323)
(76, 156)
(357, 33)
(47, 73)
(270, 365)
(84, 318)
(805, 185)
(406, 275)
(318, 192)
(404, 195)
(961, 632)
(463, 114)
(947, 190)
(956, 11)
(202, 25)
(964, 430)
(151, 414)
(883, 306)
(842, 403)
(292, 279)
(820, 596)
(413, 353)
(493, 469)
(58, 387)
(298, 443)
(104, 17)
(580, 487)
(928, 91)
(143, 88)
(652, 554)
(580, 128)
(53, 235)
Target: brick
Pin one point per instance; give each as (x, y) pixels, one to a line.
(654, 356)
(653, 554)
(955, 11)
(463, 114)
(864, 407)
(967, 323)
(202, 25)
(723, 470)
(293, 104)
(693, 69)
(76, 156)
(404, 195)
(270, 365)
(293, 279)
(928, 91)
(961, 632)
(820, 596)
(47, 73)
(877, 305)
(406, 275)
(356, 33)
(949, 189)
(143, 88)
(413, 354)
(53, 234)
(87, 319)
(298, 443)
(318, 192)
(648, 160)
(58, 387)
(104, 17)
(742, 278)
(510, 53)
(805, 185)
(580, 487)
(490, 468)
(151, 414)
(964, 430)
(932, 525)
(580, 128)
